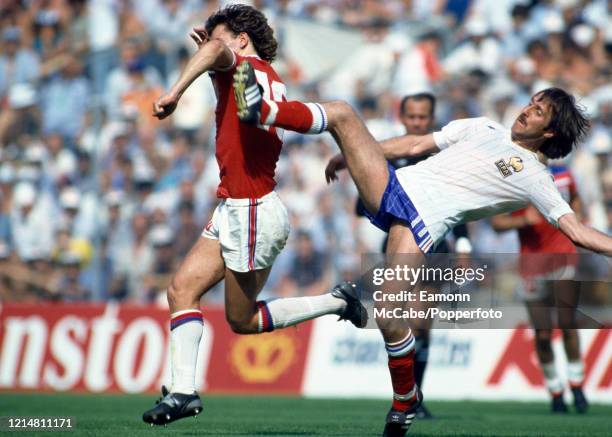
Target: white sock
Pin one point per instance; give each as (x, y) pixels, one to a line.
(402, 347)
(185, 334)
(553, 383)
(575, 373)
(280, 313)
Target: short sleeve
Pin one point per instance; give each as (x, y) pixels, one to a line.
(455, 131)
(547, 199)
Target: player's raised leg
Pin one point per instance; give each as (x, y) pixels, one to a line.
(247, 315)
(364, 157)
(253, 108)
(193, 278)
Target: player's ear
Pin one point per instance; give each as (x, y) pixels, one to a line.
(243, 39)
(549, 134)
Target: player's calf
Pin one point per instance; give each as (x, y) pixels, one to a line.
(242, 323)
(281, 313)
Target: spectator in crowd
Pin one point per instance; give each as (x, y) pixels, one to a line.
(17, 64)
(32, 224)
(187, 230)
(132, 81)
(163, 264)
(479, 52)
(308, 272)
(423, 62)
(64, 100)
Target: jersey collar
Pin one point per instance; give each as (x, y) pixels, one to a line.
(521, 148)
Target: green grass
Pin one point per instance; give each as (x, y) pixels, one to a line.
(120, 415)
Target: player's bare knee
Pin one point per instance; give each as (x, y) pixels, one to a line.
(392, 332)
(338, 112)
(241, 325)
(543, 336)
(178, 297)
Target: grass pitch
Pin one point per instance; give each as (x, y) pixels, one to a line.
(120, 415)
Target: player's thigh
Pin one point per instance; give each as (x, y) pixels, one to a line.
(241, 291)
(202, 268)
(364, 156)
(402, 250)
(402, 243)
(539, 312)
(566, 294)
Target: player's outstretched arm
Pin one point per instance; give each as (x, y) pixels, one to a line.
(407, 146)
(212, 54)
(585, 236)
(398, 147)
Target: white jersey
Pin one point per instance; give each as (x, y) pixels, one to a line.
(479, 172)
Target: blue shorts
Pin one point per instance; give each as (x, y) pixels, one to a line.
(396, 205)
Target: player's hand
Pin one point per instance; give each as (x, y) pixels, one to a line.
(165, 105)
(199, 35)
(333, 166)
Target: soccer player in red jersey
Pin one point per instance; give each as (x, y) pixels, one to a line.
(250, 225)
(547, 281)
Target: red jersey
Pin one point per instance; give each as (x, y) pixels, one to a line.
(247, 154)
(544, 237)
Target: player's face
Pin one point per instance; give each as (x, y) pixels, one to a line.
(417, 117)
(221, 32)
(534, 119)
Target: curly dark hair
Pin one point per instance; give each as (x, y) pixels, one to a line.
(568, 122)
(242, 18)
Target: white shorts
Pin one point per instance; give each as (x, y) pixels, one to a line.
(252, 232)
(534, 289)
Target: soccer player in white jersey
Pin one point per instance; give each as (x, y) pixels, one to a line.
(482, 169)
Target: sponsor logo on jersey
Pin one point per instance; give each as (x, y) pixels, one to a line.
(505, 168)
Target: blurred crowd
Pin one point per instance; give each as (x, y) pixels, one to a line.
(99, 200)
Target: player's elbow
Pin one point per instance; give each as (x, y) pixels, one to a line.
(217, 52)
(214, 47)
(392, 152)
